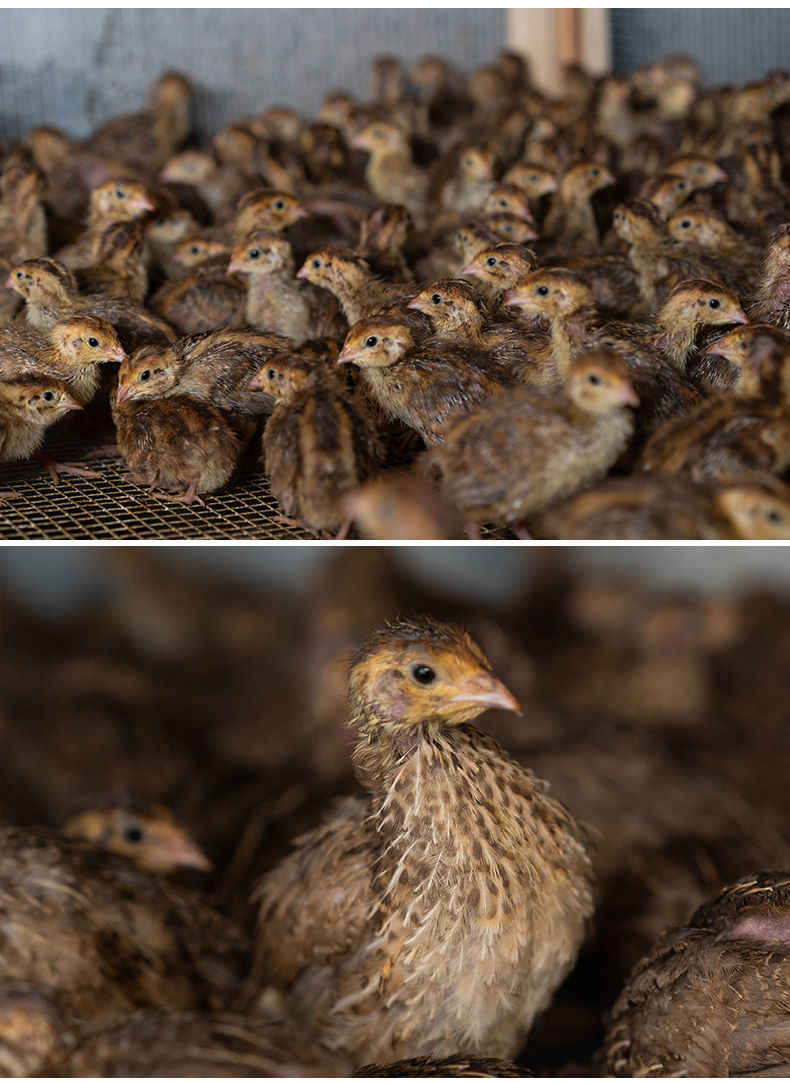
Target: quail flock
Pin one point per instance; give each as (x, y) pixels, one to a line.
(248, 832)
(439, 259)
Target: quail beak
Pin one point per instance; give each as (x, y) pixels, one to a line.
(175, 849)
(485, 690)
(70, 403)
(515, 299)
(233, 267)
(417, 304)
(116, 354)
(10, 282)
(140, 203)
(124, 393)
(470, 269)
(360, 142)
(718, 174)
(348, 355)
(626, 394)
(300, 212)
(722, 348)
(168, 175)
(256, 383)
(738, 316)
(302, 272)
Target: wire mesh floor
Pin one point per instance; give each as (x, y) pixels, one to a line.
(110, 508)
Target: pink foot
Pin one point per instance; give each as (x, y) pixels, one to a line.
(472, 531)
(523, 533)
(10, 495)
(55, 468)
(189, 497)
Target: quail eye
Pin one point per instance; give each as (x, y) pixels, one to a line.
(48, 396)
(699, 169)
(194, 249)
(595, 172)
(371, 340)
(316, 262)
(685, 224)
(503, 203)
(120, 193)
(19, 274)
(773, 517)
(542, 291)
(254, 253)
(714, 302)
(94, 342)
(272, 374)
(491, 261)
(279, 205)
(534, 178)
(436, 299)
(594, 378)
(423, 674)
(145, 375)
(133, 834)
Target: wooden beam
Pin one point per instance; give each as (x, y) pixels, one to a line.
(553, 37)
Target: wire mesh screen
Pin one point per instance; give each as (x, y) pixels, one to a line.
(112, 508)
(731, 45)
(76, 68)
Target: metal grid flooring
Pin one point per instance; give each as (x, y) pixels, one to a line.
(112, 509)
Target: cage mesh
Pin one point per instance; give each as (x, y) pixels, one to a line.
(112, 508)
(731, 45)
(76, 68)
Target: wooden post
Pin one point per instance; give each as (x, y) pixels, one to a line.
(553, 37)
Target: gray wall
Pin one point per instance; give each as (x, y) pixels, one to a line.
(731, 45)
(53, 579)
(76, 68)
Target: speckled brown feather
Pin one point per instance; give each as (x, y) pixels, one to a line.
(457, 1067)
(457, 890)
(113, 936)
(711, 998)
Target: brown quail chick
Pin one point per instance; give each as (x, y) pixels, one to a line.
(28, 406)
(525, 450)
(70, 353)
(656, 507)
(163, 1042)
(770, 302)
(384, 235)
(148, 834)
(659, 262)
(666, 193)
(426, 387)
(752, 360)
(459, 315)
(215, 368)
(163, 235)
(707, 235)
(145, 141)
(571, 224)
(119, 269)
(758, 507)
(197, 250)
(456, 1067)
(348, 277)
(508, 199)
(401, 507)
(391, 173)
(265, 208)
(709, 999)
(392, 874)
(219, 187)
(498, 268)
(319, 444)
(23, 224)
(117, 937)
(462, 179)
(275, 300)
(51, 294)
(206, 297)
(534, 181)
(179, 444)
(564, 299)
(111, 203)
(34, 1035)
(723, 436)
